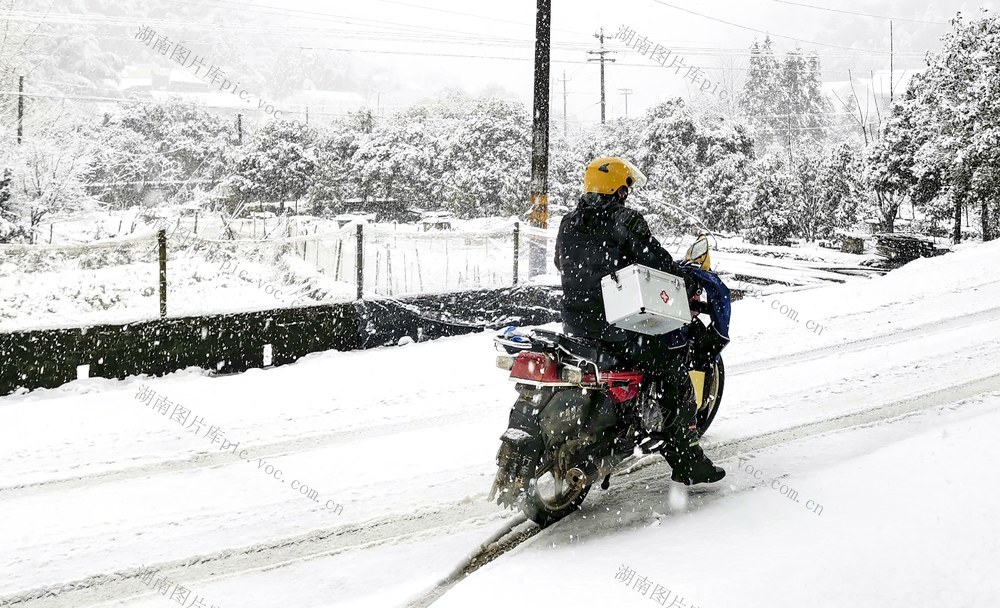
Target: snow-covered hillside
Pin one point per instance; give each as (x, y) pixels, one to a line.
(876, 402)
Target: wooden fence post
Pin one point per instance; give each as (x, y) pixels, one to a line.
(361, 260)
(517, 247)
(161, 238)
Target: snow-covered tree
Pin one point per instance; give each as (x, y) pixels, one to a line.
(761, 97)
(48, 177)
(278, 164)
(721, 185)
(828, 192)
(566, 164)
(785, 100)
(940, 145)
(889, 164)
(10, 223)
(488, 160)
(171, 142)
(403, 158)
(768, 206)
(335, 180)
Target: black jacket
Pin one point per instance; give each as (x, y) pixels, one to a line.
(599, 236)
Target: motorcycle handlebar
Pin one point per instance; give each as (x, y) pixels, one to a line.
(699, 306)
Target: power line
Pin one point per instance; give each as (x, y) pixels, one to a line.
(369, 36)
(390, 31)
(388, 27)
(313, 15)
(746, 27)
(178, 99)
(837, 10)
(474, 16)
(511, 43)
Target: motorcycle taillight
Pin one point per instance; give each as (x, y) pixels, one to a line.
(535, 367)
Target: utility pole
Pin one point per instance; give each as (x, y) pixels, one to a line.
(601, 58)
(626, 93)
(239, 129)
(564, 80)
(20, 108)
(788, 134)
(891, 82)
(540, 138)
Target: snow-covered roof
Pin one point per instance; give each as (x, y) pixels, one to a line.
(440, 215)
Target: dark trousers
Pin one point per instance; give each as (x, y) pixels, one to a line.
(671, 408)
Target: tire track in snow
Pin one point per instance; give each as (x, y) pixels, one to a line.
(728, 450)
(862, 344)
(300, 444)
(218, 458)
(439, 520)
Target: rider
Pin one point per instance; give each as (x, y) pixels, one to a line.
(602, 235)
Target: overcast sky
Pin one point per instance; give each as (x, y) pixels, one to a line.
(430, 44)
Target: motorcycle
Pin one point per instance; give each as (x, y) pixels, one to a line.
(578, 415)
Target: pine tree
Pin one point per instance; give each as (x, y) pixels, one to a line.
(761, 98)
(785, 101)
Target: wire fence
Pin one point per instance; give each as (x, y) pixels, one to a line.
(174, 272)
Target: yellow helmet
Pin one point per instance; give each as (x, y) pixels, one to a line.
(607, 174)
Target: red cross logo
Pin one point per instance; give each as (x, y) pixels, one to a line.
(665, 296)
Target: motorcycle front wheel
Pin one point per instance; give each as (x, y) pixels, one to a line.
(715, 382)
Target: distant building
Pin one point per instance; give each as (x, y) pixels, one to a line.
(144, 81)
(164, 83)
(384, 209)
(354, 218)
(437, 220)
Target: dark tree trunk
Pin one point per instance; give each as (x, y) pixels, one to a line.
(985, 220)
(889, 208)
(958, 221)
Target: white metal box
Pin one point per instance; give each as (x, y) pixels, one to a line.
(644, 300)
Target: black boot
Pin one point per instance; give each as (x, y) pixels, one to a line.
(689, 463)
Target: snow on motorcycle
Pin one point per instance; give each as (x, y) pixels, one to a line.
(578, 414)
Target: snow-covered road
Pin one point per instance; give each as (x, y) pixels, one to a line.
(885, 417)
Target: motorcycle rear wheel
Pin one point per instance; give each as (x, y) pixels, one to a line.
(715, 383)
(548, 499)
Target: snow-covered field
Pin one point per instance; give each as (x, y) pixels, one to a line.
(877, 403)
(116, 280)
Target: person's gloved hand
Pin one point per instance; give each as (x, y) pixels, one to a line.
(691, 284)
